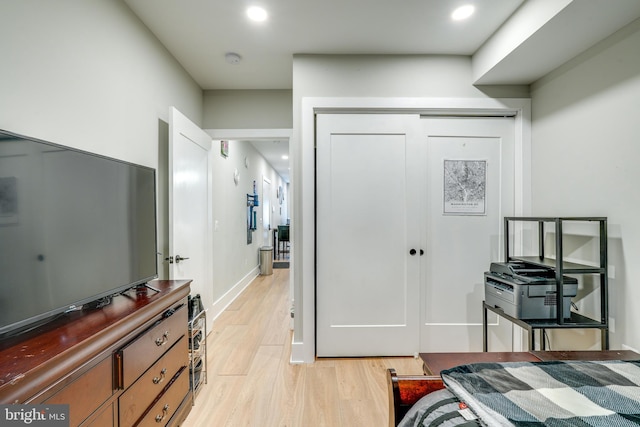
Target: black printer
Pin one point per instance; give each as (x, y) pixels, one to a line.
(526, 291)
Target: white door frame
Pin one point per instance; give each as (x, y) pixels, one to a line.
(303, 183)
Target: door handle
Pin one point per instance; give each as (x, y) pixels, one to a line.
(412, 252)
(158, 380)
(179, 258)
(421, 252)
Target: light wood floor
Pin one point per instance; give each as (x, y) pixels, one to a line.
(252, 383)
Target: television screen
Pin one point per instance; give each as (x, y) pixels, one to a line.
(74, 227)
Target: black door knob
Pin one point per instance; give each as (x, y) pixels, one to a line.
(421, 252)
(412, 252)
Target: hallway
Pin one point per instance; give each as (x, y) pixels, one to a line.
(251, 382)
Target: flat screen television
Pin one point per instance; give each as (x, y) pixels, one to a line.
(75, 228)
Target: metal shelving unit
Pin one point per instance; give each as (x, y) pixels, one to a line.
(560, 267)
(198, 353)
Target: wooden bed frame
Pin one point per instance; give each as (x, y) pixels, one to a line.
(405, 390)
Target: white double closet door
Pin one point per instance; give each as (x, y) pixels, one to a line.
(408, 217)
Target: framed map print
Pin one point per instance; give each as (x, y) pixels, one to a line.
(465, 187)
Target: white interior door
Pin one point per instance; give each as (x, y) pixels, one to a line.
(367, 221)
(189, 205)
(469, 166)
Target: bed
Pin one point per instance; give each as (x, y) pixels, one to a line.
(542, 393)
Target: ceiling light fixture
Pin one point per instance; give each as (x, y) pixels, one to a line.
(257, 14)
(285, 157)
(232, 58)
(463, 12)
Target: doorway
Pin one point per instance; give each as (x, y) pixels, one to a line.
(248, 171)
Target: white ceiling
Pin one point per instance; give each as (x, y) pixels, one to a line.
(199, 33)
(273, 151)
(509, 41)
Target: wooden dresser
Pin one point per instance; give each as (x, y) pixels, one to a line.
(122, 365)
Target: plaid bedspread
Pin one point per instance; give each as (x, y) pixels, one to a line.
(573, 393)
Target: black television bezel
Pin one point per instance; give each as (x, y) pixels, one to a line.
(37, 321)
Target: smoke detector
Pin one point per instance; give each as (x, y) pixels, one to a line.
(232, 58)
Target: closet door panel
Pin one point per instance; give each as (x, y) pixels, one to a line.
(366, 227)
(470, 188)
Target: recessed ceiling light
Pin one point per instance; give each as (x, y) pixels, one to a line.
(463, 12)
(257, 14)
(285, 157)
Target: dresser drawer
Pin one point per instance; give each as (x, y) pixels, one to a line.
(137, 399)
(142, 352)
(87, 393)
(169, 402)
(105, 418)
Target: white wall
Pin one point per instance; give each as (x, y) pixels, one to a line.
(247, 109)
(585, 163)
(89, 74)
(363, 77)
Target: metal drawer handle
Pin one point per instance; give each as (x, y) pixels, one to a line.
(161, 417)
(158, 380)
(162, 340)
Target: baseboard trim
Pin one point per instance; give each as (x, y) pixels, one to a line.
(297, 352)
(223, 302)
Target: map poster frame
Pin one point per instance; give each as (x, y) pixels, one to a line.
(464, 187)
